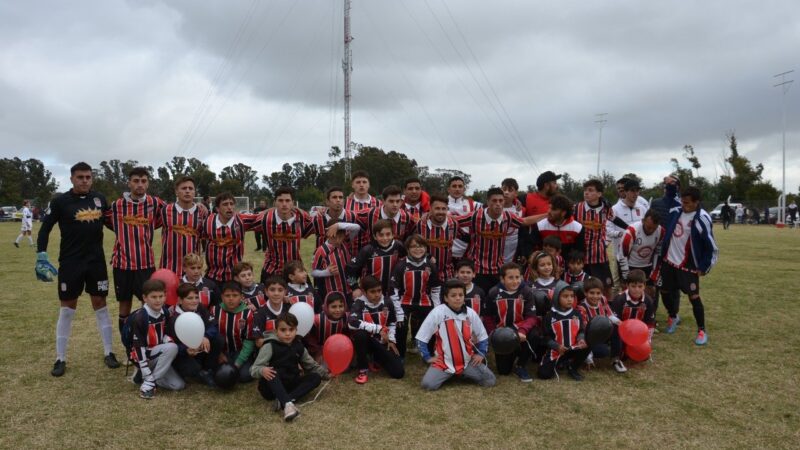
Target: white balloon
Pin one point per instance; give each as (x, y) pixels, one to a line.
(190, 329)
(305, 317)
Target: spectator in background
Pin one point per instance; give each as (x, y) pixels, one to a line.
(791, 212)
(260, 244)
(726, 214)
(740, 214)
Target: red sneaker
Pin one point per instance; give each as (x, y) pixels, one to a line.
(362, 377)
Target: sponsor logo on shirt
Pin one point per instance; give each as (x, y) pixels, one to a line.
(136, 221)
(185, 230)
(87, 215)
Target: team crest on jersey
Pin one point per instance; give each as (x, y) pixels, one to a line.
(645, 252)
(97, 202)
(678, 230)
(135, 220)
(226, 241)
(242, 323)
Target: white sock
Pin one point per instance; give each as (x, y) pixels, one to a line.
(30, 239)
(104, 327)
(19, 238)
(63, 330)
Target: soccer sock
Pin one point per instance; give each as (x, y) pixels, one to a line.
(104, 327)
(19, 238)
(63, 330)
(121, 322)
(699, 313)
(30, 239)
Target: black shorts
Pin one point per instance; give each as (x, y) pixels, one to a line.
(600, 271)
(673, 279)
(76, 276)
(647, 271)
(128, 283)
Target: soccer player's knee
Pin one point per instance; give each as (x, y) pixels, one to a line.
(694, 297)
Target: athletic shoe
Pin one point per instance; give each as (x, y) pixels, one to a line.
(702, 338)
(111, 361)
(619, 367)
(276, 405)
(148, 394)
(207, 378)
(16, 244)
(574, 374)
(59, 368)
(672, 324)
(523, 374)
(362, 377)
(589, 361)
(290, 412)
(137, 377)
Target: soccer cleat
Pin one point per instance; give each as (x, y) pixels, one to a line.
(672, 324)
(111, 361)
(16, 244)
(523, 374)
(702, 338)
(290, 412)
(619, 367)
(362, 377)
(574, 374)
(148, 394)
(59, 368)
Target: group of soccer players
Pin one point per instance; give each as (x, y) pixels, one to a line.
(443, 268)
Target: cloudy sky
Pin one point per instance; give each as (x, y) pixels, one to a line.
(492, 88)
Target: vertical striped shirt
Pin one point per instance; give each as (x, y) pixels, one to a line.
(180, 234)
(133, 223)
(283, 237)
(225, 243)
(488, 238)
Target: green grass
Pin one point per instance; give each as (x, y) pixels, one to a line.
(740, 391)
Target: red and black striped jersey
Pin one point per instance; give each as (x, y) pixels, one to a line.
(488, 237)
(265, 320)
(180, 234)
(589, 312)
(563, 328)
(569, 232)
(454, 331)
(133, 223)
(373, 317)
(208, 291)
(476, 300)
(148, 329)
(283, 238)
(234, 326)
(327, 256)
(225, 243)
(320, 223)
(594, 221)
(376, 261)
(627, 308)
(402, 224)
(302, 293)
(573, 278)
(511, 309)
(416, 283)
(415, 211)
(353, 205)
(254, 290)
(440, 243)
(323, 328)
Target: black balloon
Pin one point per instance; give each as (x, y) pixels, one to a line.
(599, 330)
(504, 341)
(578, 288)
(541, 301)
(226, 376)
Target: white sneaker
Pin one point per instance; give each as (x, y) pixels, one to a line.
(290, 412)
(619, 367)
(589, 361)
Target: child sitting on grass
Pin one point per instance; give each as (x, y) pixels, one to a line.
(235, 320)
(297, 287)
(594, 305)
(332, 320)
(201, 362)
(564, 330)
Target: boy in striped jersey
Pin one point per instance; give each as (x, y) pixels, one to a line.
(243, 274)
(511, 204)
(360, 200)
(235, 320)
(180, 226)
(634, 303)
(133, 218)
(224, 234)
(193, 274)
(284, 228)
(332, 320)
(152, 348)
(377, 259)
(564, 331)
(329, 268)
(298, 289)
(475, 296)
(456, 327)
(264, 321)
(595, 304)
(440, 231)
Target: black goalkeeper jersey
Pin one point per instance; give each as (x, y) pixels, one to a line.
(80, 219)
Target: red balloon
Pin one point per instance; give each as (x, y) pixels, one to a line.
(633, 332)
(639, 353)
(171, 281)
(338, 352)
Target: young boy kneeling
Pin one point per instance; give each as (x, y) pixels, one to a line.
(277, 367)
(455, 326)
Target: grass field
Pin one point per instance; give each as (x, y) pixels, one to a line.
(740, 391)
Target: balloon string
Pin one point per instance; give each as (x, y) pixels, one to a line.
(318, 393)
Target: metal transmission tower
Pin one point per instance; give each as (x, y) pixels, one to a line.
(347, 67)
(784, 85)
(600, 120)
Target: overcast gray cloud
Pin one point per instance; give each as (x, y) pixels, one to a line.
(260, 82)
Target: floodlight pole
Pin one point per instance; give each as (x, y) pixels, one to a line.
(600, 120)
(347, 67)
(785, 85)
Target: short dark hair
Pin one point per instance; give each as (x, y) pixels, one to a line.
(369, 282)
(574, 256)
(275, 279)
(592, 283)
(333, 189)
(381, 225)
(492, 192)
(562, 203)
(623, 180)
(231, 286)
(455, 178)
(595, 183)
(291, 267)
(183, 179)
(184, 289)
(80, 167)
(287, 318)
(465, 262)
(636, 276)
(240, 267)
(390, 191)
(449, 285)
(335, 296)
(691, 191)
(284, 190)
(439, 198)
(510, 183)
(653, 215)
(139, 172)
(509, 266)
(153, 286)
(552, 241)
(411, 180)
(359, 174)
(222, 197)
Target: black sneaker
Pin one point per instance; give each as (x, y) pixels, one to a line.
(59, 368)
(148, 394)
(137, 377)
(16, 244)
(206, 378)
(111, 361)
(574, 374)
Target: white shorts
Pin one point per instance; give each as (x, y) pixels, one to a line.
(26, 226)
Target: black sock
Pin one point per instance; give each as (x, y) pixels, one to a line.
(699, 313)
(121, 322)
